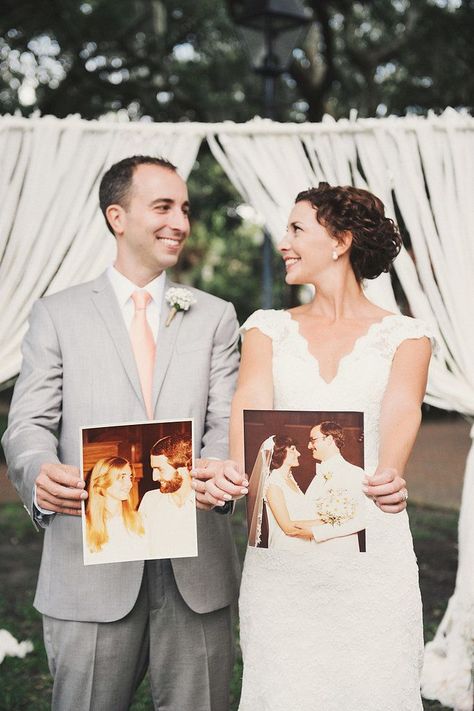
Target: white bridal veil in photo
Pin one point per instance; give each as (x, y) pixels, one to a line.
(257, 485)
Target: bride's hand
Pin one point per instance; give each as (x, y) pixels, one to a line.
(387, 489)
(303, 532)
(217, 481)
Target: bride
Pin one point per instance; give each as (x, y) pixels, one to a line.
(272, 483)
(333, 632)
(114, 530)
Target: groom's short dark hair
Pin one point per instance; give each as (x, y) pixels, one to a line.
(115, 184)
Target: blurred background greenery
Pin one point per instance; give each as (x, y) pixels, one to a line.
(175, 60)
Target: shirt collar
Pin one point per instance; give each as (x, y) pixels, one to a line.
(328, 463)
(124, 288)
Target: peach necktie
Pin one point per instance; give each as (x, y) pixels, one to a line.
(143, 346)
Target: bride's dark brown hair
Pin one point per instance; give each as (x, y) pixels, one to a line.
(376, 239)
(280, 449)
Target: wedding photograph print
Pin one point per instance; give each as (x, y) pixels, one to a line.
(140, 501)
(305, 480)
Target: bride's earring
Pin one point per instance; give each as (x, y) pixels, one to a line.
(335, 255)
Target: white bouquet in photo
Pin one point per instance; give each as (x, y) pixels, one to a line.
(336, 507)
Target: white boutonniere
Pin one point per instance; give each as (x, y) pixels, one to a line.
(327, 476)
(179, 299)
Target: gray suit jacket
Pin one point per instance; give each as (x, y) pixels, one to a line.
(78, 370)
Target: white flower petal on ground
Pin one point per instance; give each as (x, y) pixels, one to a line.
(10, 647)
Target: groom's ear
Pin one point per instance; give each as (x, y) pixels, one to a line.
(115, 215)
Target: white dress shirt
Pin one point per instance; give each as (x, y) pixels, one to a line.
(170, 529)
(336, 473)
(124, 288)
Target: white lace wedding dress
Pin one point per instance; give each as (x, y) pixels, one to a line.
(320, 632)
(298, 507)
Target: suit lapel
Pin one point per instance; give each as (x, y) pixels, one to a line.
(105, 302)
(165, 343)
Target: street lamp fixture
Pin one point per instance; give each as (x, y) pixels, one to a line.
(271, 29)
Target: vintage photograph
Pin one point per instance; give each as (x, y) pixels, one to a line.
(140, 501)
(305, 488)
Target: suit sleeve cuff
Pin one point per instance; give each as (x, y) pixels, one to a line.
(38, 508)
(40, 517)
(226, 509)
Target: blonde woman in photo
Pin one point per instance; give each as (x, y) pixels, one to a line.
(114, 531)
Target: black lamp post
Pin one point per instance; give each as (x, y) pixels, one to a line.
(271, 29)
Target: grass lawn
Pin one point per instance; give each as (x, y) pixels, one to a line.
(25, 683)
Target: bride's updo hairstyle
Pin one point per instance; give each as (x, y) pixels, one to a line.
(376, 240)
(280, 449)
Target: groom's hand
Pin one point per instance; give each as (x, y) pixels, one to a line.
(217, 481)
(60, 488)
(387, 489)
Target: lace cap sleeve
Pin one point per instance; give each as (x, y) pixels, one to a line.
(408, 327)
(265, 320)
(275, 478)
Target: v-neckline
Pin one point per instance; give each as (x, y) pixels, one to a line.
(298, 488)
(360, 339)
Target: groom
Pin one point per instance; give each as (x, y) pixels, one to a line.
(337, 474)
(102, 353)
(169, 511)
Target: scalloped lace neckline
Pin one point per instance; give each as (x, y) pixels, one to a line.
(344, 358)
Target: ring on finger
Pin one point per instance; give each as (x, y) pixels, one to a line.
(404, 494)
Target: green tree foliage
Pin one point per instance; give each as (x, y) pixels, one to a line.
(176, 60)
(167, 60)
(387, 57)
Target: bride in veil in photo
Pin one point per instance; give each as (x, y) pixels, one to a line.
(272, 484)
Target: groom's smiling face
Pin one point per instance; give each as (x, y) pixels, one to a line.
(318, 444)
(153, 224)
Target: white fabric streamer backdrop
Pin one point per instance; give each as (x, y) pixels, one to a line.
(52, 235)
